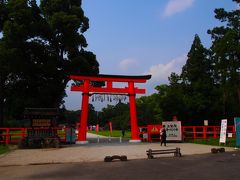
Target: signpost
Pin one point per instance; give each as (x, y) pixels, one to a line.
(237, 128)
(174, 130)
(223, 131)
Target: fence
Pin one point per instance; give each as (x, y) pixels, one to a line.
(13, 135)
(188, 132)
(205, 132)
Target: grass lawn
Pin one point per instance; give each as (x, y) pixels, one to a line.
(115, 133)
(4, 149)
(230, 142)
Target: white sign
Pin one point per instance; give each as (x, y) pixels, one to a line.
(205, 122)
(174, 130)
(230, 135)
(223, 132)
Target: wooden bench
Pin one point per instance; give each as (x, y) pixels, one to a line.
(151, 152)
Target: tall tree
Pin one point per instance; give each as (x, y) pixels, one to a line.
(197, 81)
(171, 99)
(226, 56)
(148, 110)
(44, 45)
(5, 77)
(197, 67)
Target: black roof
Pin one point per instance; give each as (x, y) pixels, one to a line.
(117, 76)
(41, 111)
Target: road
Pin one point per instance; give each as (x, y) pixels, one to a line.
(208, 166)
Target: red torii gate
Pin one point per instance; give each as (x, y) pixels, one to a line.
(87, 88)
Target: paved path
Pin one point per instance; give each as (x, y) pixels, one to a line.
(93, 152)
(221, 166)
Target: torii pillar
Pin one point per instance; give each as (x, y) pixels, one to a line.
(88, 88)
(133, 113)
(84, 114)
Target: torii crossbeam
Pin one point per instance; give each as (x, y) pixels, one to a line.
(87, 89)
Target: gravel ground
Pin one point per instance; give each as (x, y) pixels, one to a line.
(93, 152)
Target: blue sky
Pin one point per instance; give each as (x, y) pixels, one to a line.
(136, 37)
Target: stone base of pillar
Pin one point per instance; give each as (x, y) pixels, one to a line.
(135, 141)
(81, 142)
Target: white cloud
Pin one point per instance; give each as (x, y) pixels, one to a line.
(127, 64)
(176, 6)
(161, 72)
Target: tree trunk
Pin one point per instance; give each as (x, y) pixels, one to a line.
(1, 112)
(1, 104)
(1, 100)
(224, 103)
(238, 93)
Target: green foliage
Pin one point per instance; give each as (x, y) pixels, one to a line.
(230, 142)
(226, 58)
(170, 99)
(14, 123)
(71, 117)
(197, 82)
(208, 86)
(148, 110)
(115, 133)
(118, 115)
(92, 115)
(4, 149)
(40, 47)
(197, 67)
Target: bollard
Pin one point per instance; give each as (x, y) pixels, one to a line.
(98, 140)
(120, 139)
